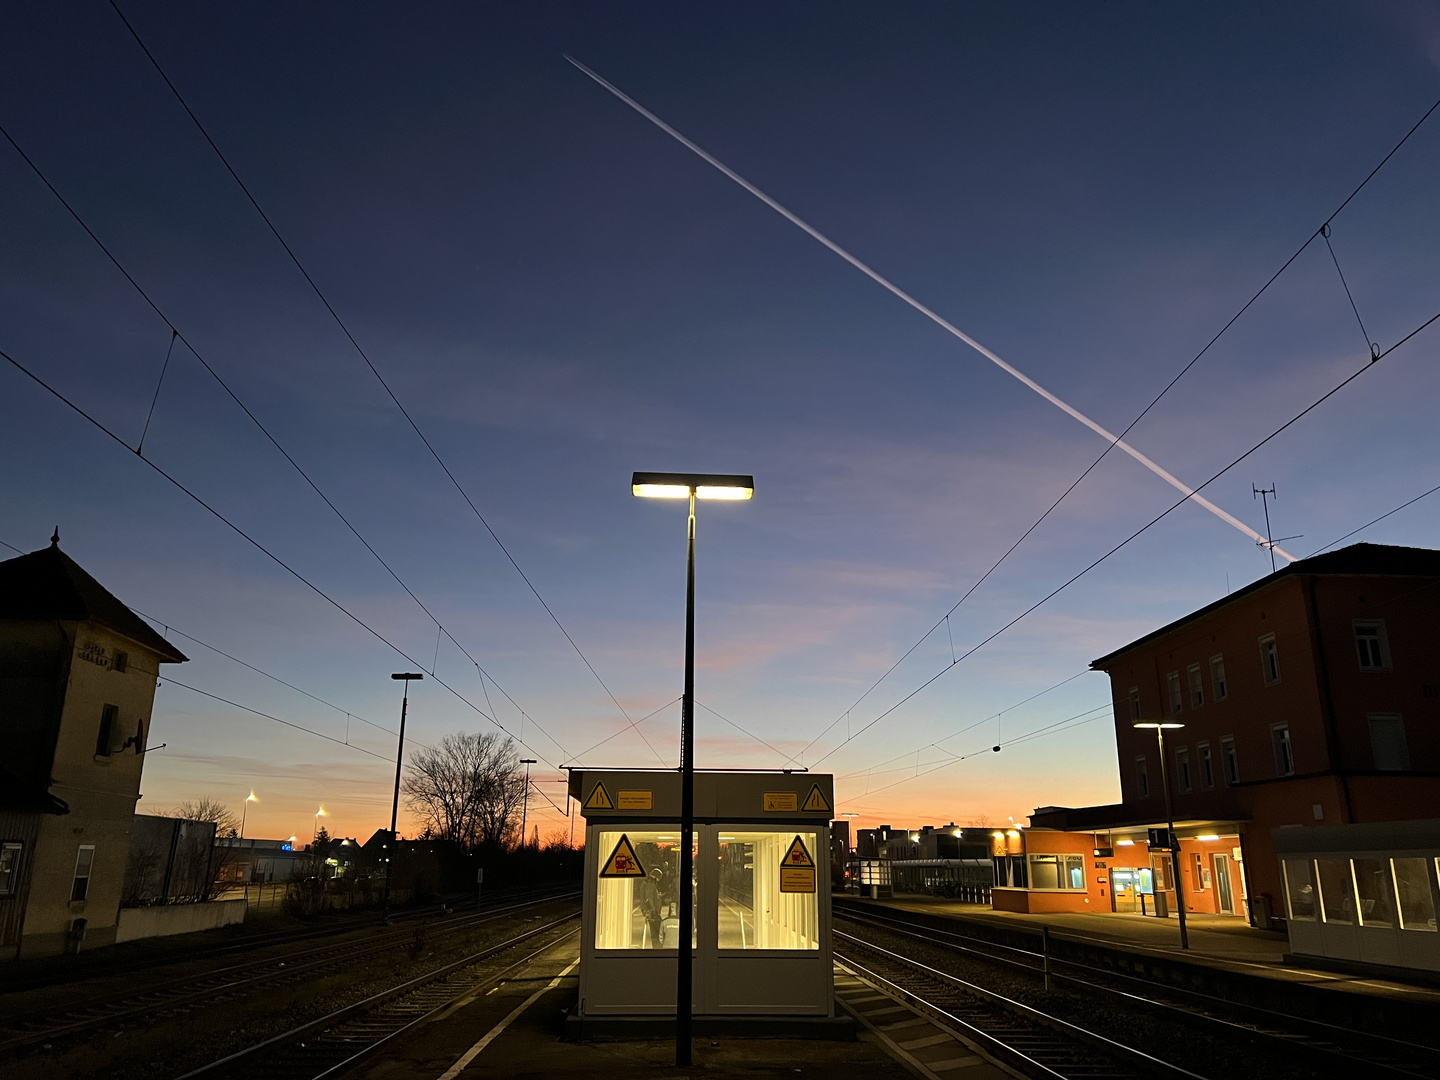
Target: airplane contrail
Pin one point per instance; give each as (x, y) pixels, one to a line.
(799, 223)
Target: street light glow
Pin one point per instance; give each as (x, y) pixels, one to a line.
(734, 487)
(714, 491)
(660, 491)
(1159, 727)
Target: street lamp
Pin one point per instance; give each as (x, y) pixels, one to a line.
(245, 809)
(405, 677)
(1160, 729)
(315, 832)
(690, 486)
(525, 810)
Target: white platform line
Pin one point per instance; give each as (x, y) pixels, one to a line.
(494, 1033)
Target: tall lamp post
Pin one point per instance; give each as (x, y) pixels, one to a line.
(245, 810)
(525, 810)
(1174, 844)
(690, 486)
(406, 677)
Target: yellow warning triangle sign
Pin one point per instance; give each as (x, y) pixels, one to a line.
(599, 798)
(816, 802)
(798, 856)
(623, 861)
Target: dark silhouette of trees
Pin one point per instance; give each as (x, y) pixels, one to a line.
(468, 790)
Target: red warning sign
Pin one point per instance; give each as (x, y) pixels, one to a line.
(623, 861)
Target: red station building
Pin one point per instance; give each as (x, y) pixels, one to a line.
(1310, 697)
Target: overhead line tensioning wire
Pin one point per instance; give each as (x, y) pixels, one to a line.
(370, 364)
(265, 551)
(1321, 231)
(176, 334)
(1153, 521)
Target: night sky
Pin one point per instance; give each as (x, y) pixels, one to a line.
(559, 293)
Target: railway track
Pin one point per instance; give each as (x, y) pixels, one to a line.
(1329, 1048)
(1028, 1040)
(325, 1047)
(21, 1030)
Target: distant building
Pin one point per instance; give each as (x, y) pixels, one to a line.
(77, 681)
(923, 842)
(1310, 697)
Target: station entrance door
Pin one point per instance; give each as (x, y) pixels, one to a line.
(761, 887)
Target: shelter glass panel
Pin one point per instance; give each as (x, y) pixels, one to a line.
(1412, 890)
(1372, 889)
(1337, 890)
(642, 912)
(1300, 888)
(753, 913)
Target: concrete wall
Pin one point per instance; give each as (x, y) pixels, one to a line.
(164, 920)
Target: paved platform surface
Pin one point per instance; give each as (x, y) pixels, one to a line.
(514, 1031)
(1216, 940)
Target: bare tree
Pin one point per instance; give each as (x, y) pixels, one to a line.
(227, 823)
(469, 789)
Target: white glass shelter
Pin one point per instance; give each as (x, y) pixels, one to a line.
(761, 884)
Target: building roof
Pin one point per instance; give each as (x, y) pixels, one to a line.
(1112, 816)
(1356, 560)
(48, 584)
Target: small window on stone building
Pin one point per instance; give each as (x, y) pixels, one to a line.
(1177, 698)
(1142, 777)
(1197, 686)
(1134, 703)
(109, 715)
(1219, 689)
(9, 867)
(1269, 660)
(121, 663)
(1371, 646)
(84, 860)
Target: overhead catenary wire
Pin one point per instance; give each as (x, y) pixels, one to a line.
(1376, 521)
(263, 549)
(1373, 362)
(344, 329)
(1323, 231)
(177, 335)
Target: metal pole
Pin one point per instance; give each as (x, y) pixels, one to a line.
(525, 810)
(1045, 948)
(1175, 846)
(685, 959)
(405, 677)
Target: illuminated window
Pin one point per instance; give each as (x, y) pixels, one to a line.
(758, 909)
(641, 911)
(1057, 872)
(1299, 889)
(1372, 891)
(1337, 890)
(1412, 891)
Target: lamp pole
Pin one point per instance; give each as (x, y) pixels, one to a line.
(405, 677)
(244, 812)
(688, 486)
(525, 810)
(1160, 730)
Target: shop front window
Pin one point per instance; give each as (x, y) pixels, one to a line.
(769, 898)
(638, 895)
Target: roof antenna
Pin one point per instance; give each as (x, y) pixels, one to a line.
(55, 537)
(1265, 495)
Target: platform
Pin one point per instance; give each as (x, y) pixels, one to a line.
(1217, 941)
(516, 1031)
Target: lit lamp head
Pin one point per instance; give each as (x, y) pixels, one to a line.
(651, 485)
(1151, 726)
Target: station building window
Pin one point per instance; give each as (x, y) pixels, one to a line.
(1197, 686)
(642, 912)
(1057, 871)
(1134, 703)
(1412, 891)
(1269, 660)
(1388, 746)
(1219, 689)
(1300, 889)
(1177, 698)
(1371, 645)
(1182, 768)
(1142, 777)
(753, 912)
(1230, 759)
(84, 860)
(1207, 766)
(1284, 753)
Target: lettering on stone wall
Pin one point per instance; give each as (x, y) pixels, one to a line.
(94, 652)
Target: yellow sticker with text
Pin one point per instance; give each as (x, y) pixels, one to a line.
(781, 802)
